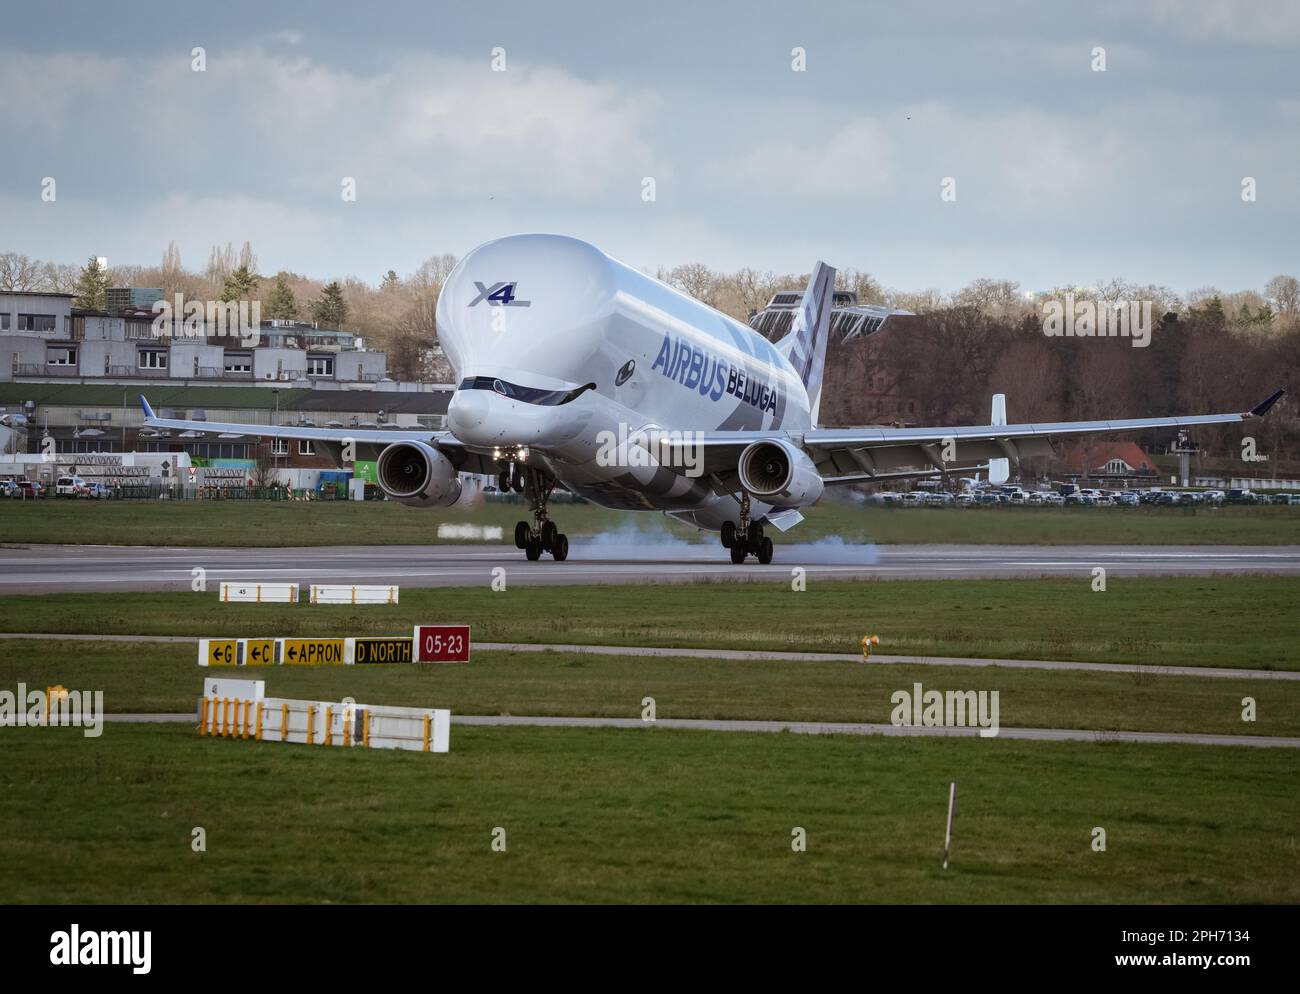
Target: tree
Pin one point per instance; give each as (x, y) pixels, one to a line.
(696, 279)
(92, 286)
(1284, 292)
(281, 304)
(220, 264)
(17, 272)
(330, 309)
(240, 285)
(391, 281)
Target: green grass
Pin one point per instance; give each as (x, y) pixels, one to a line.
(1245, 622)
(640, 816)
(138, 678)
(274, 523)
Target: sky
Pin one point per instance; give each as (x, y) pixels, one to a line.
(1062, 173)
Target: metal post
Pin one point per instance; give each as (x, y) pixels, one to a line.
(947, 835)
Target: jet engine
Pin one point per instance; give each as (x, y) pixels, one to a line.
(779, 473)
(417, 474)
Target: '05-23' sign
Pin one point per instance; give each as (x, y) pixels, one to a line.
(441, 643)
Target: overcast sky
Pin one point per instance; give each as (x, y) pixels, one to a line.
(1063, 174)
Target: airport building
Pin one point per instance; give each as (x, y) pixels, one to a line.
(43, 337)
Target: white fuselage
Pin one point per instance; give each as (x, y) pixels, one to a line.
(542, 316)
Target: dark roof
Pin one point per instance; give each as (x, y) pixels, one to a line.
(38, 293)
(390, 401)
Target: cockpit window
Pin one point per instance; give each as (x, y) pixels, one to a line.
(527, 395)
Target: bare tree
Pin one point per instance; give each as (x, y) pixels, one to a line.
(1284, 292)
(17, 272)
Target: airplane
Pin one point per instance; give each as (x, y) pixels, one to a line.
(576, 370)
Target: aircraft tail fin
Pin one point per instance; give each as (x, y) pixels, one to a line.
(999, 469)
(805, 345)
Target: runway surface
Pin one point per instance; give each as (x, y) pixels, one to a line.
(762, 655)
(44, 568)
(830, 728)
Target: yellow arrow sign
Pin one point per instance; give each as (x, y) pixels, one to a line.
(259, 652)
(223, 652)
(312, 652)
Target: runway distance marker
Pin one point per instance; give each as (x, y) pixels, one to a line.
(396, 649)
(311, 652)
(441, 643)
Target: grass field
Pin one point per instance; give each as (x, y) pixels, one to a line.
(1247, 622)
(277, 523)
(640, 816)
(139, 678)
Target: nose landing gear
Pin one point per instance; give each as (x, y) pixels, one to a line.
(747, 539)
(542, 535)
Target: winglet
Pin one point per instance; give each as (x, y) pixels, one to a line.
(1263, 407)
(148, 411)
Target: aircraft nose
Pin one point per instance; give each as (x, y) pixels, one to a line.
(484, 417)
(467, 411)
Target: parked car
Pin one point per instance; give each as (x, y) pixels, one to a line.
(94, 491)
(27, 489)
(68, 486)
(1241, 495)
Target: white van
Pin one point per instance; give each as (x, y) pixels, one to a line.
(69, 486)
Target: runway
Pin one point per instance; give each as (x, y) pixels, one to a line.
(46, 568)
(827, 728)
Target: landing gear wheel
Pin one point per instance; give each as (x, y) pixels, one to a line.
(533, 550)
(754, 535)
(737, 553)
(503, 480)
(728, 534)
(560, 547)
(521, 535)
(549, 531)
(765, 551)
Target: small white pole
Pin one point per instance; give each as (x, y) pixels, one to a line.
(947, 835)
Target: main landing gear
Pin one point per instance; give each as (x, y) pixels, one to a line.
(747, 539)
(542, 535)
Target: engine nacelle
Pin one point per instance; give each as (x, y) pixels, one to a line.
(417, 474)
(779, 473)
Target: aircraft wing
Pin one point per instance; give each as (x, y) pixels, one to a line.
(857, 455)
(371, 438)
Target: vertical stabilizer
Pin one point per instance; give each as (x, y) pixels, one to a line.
(999, 469)
(805, 345)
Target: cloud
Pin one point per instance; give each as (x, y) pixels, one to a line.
(421, 127)
(1260, 22)
(855, 161)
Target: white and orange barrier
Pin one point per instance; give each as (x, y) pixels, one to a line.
(336, 593)
(259, 593)
(229, 711)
